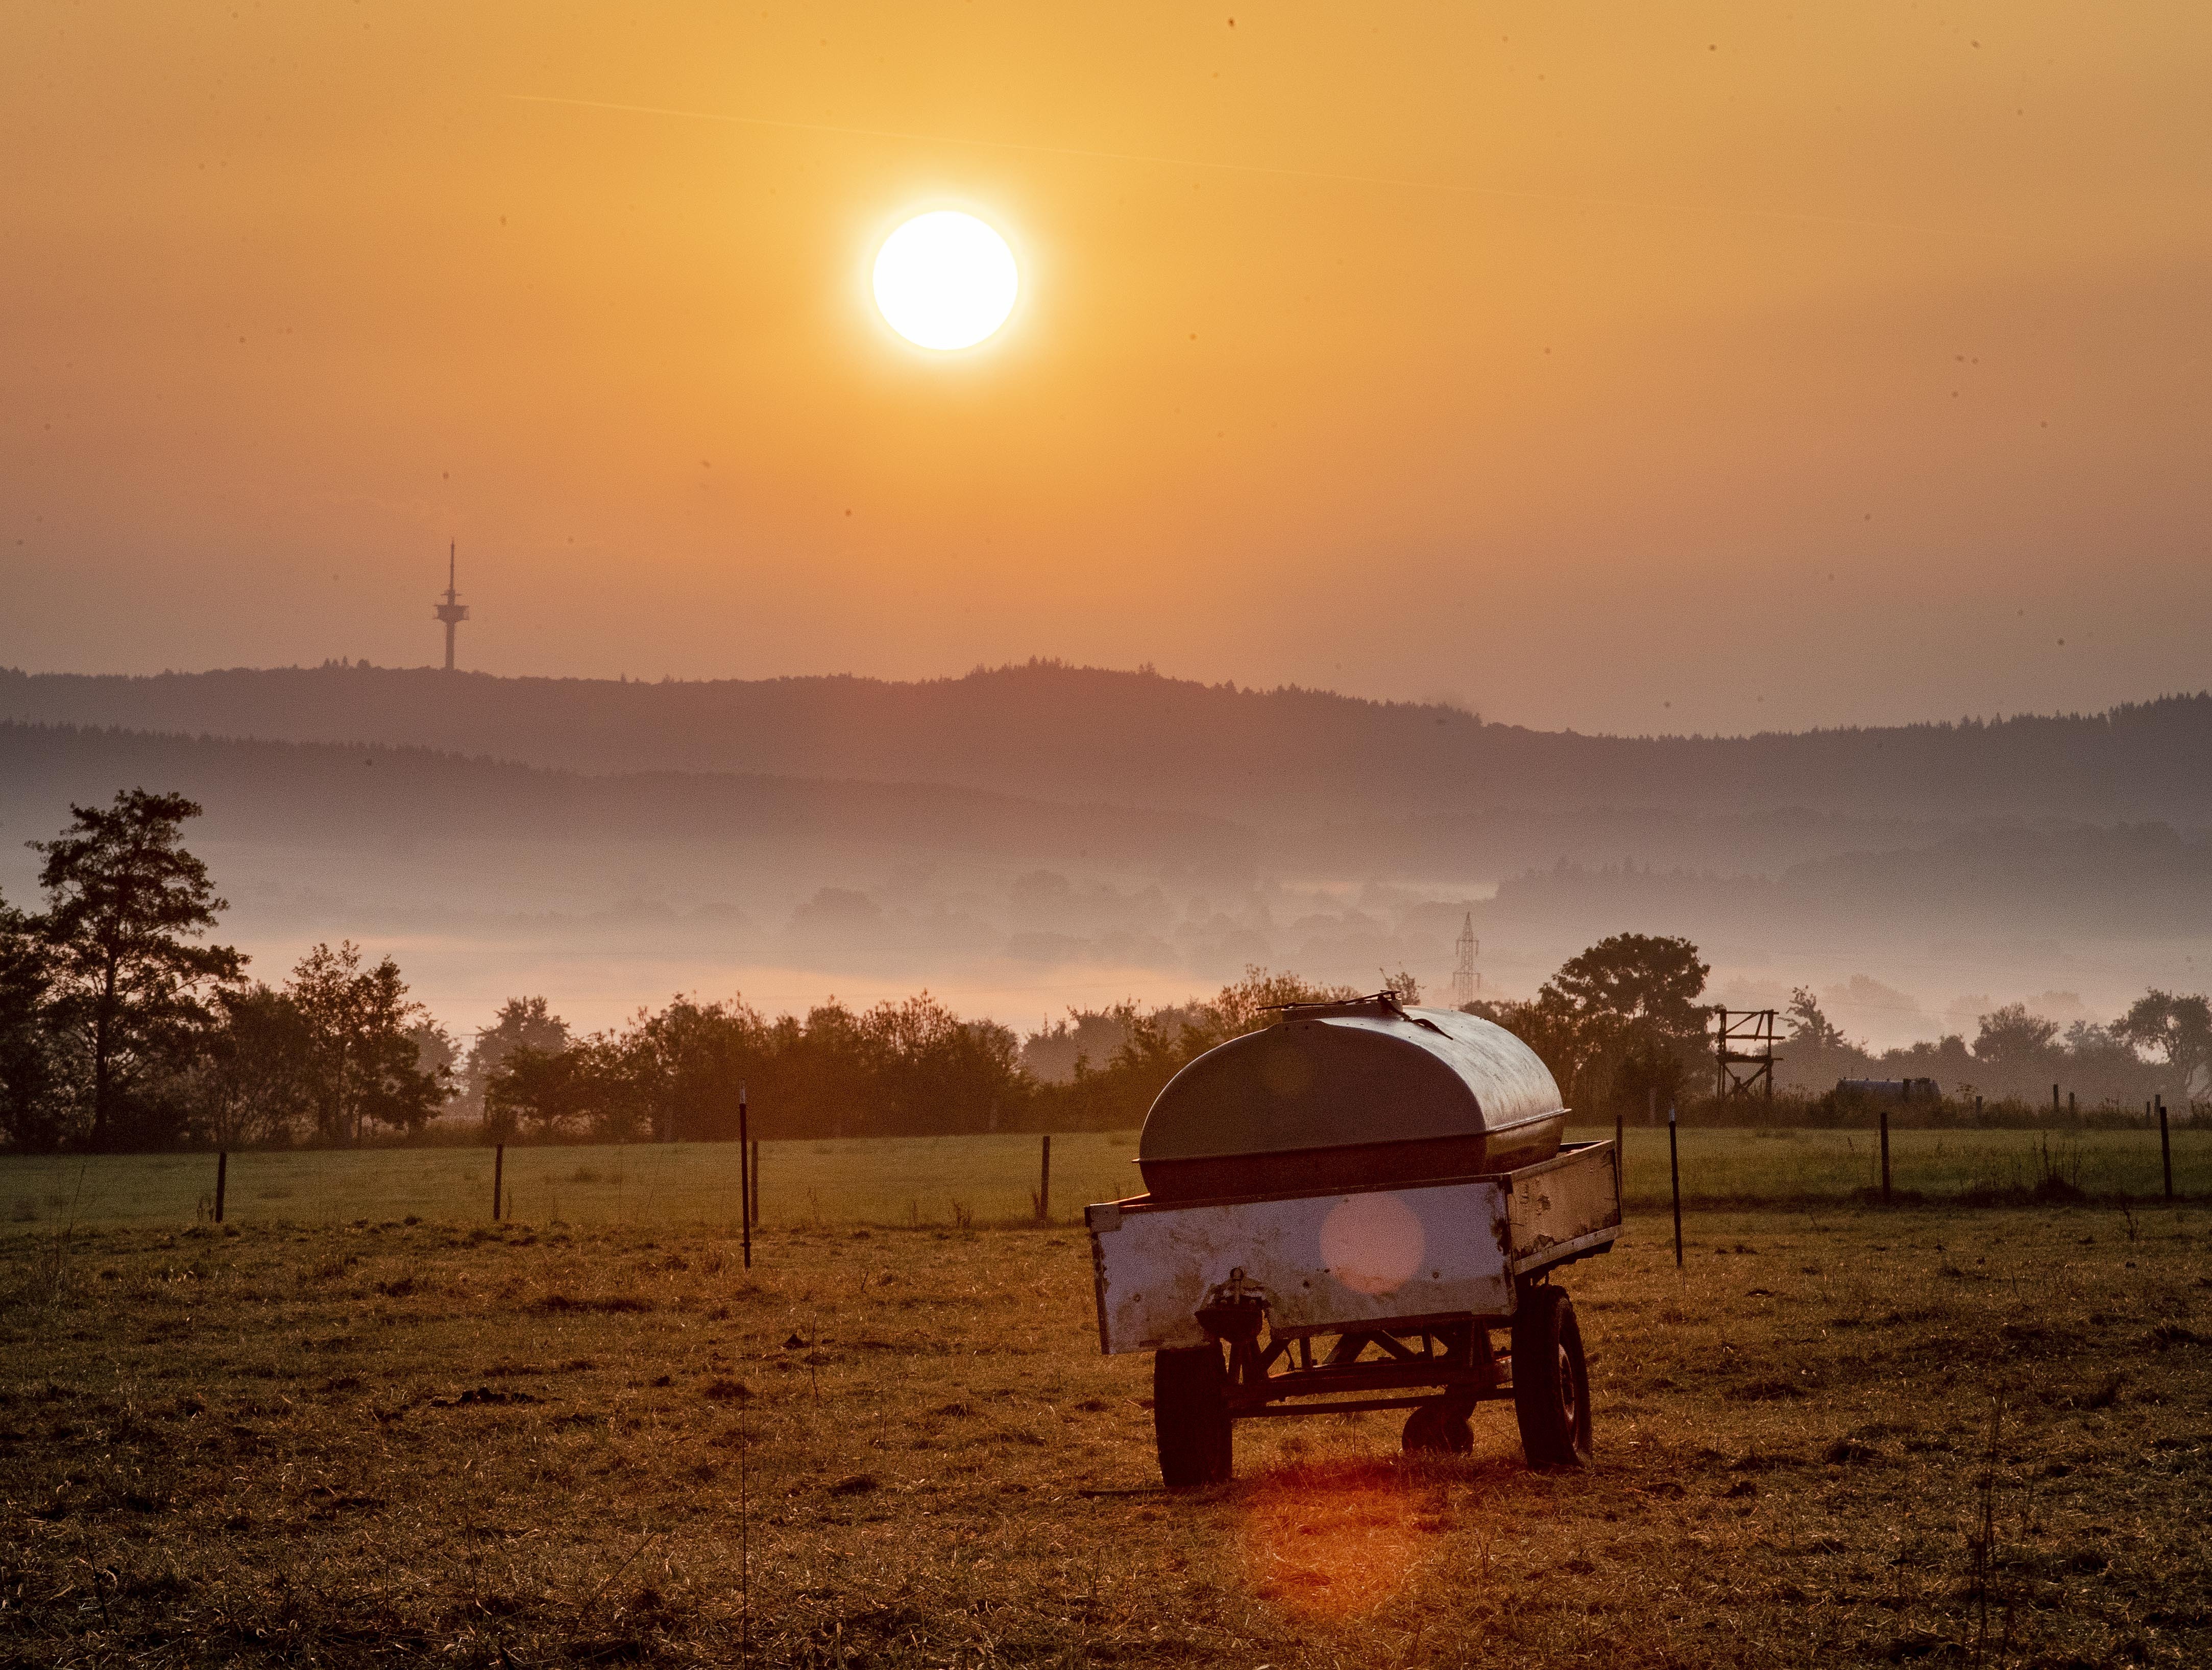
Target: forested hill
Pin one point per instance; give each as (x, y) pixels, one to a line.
(1088, 734)
(331, 794)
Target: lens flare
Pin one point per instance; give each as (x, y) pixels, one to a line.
(1372, 1243)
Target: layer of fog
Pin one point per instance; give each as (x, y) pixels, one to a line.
(602, 928)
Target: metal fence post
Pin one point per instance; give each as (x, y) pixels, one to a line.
(498, 1169)
(1044, 1179)
(744, 1177)
(222, 1171)
(2164, 1150)
(1674, 1169)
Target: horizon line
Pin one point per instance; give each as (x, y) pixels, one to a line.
(1143, 670)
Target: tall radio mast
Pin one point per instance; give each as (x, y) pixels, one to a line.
(453, 611)
(1464, 981)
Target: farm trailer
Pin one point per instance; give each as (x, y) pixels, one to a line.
(1384, 1290)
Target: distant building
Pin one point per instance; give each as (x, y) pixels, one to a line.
(1903, 1090)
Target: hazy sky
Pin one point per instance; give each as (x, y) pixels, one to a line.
(1611, 365)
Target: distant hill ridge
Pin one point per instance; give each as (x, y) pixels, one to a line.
(1089, 735)
(333, 794)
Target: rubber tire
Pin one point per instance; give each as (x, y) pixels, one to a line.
(1551, 1381)
(1190, 1416)
(1439, 1429)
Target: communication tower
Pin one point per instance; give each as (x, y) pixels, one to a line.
(1464, 981)
(453, 611)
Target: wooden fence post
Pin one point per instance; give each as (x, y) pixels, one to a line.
(222, 1171)
(1044, 1179)
(1674, 1170)
(2164, 1153)
(498, 1169)
(1885, 1157)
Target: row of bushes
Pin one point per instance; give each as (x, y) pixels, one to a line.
(912, 1068)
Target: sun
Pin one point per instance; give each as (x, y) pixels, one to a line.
(946, 280)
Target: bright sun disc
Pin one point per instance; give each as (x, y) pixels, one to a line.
(945, 280)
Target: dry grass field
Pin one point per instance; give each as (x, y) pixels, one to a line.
(1839, 1436)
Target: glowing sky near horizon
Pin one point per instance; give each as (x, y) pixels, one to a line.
(1651, 369)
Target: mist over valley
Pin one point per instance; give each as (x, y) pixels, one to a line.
(1029, 839)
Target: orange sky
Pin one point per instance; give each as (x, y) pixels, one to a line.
(1683, 367)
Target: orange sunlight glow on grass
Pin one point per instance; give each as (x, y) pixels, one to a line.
(1338, 1544)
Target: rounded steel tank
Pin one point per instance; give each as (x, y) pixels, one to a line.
(1343, 1094)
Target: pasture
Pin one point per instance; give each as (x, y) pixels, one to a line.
(1840, 1436)
(942, 1181)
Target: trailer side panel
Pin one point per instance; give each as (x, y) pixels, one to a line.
(1566, 1207)
(1321, 1262)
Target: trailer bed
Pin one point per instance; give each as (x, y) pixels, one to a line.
(1381, 1256)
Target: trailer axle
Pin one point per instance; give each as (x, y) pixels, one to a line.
(1357, 1405)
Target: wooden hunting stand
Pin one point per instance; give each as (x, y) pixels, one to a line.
(1743, 1052)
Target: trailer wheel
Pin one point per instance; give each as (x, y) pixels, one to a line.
(1439, 1427)
(1190, 1415)
(1551, 1383)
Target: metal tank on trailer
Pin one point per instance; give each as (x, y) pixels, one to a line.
(1350, 1094)
(1339, 1209)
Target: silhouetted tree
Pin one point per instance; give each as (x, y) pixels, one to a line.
(935, 1072)
(682, 1068)
(254, 1080)
(1810, 1027)
(124, 903)
(2015, 1042)
(548, 1092)
(2176, 1029)
(1619, 1020)
(32, 1113)
(1640, 978)
(1088, 1036)
(365, 1065)
(437, 1055)
(520, 1023)
(828, 1077)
